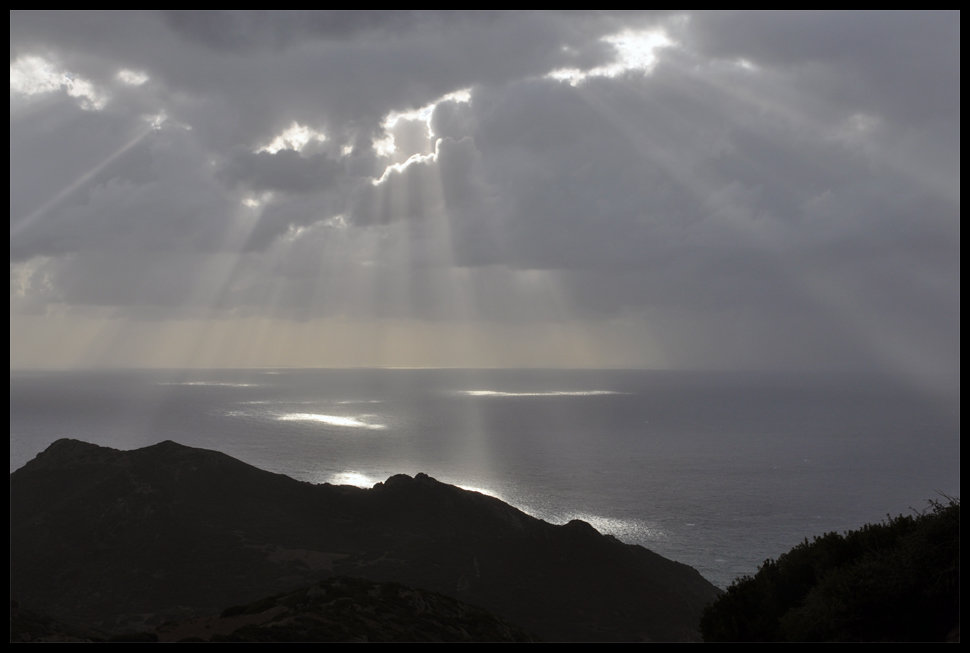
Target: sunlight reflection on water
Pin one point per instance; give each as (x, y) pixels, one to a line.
(482, 490)
(624, 529)
(350, 477)
(333, 420)
(224, 384)
(549, 393)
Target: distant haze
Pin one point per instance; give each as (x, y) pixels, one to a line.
(486, 189)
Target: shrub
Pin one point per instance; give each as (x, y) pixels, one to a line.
(894, 581)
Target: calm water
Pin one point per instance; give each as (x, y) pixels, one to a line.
(716, 470)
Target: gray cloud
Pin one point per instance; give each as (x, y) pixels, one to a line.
(157, 195)
(780, 189)
(899, 63)
(285, 171)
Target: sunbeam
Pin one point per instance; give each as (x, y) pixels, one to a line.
(773, 240)
(20, 224)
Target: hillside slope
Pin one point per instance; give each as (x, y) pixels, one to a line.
(124, 540)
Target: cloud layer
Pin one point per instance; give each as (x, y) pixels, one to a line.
(714, 189)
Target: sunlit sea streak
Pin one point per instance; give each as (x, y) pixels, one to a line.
(546, 393)
(333, 420)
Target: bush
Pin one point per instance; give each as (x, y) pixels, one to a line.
(894, 581)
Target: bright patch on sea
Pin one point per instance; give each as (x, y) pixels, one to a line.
(350, 477)
(213, 383)
(482, 490)
(627, 530)
(332, 420)
(549, 393)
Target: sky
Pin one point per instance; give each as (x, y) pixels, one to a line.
(770, 190)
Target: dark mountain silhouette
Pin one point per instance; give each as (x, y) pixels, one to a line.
(123, 540)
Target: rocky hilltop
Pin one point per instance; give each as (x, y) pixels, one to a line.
(126, 540)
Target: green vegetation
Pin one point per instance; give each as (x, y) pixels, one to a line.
(894, 581)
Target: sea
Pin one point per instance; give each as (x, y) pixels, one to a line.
(717, 470)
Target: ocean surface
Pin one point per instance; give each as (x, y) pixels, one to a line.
(716, 470)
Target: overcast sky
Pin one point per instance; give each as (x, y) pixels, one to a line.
(674, 190)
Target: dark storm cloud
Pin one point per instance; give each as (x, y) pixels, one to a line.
(778, 180)
(153, 194)
(244, 30)
(285, 171)
(282, 214)
(904, 64)
(689, 182)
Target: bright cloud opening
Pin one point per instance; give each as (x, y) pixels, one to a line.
(386, 146)
(295, 137)
(33, 75)
(424, 113)
(400, 167)
(746, 64)
(256, 201)
(337, 222)
(131, 77)
(635, 50)
(156, 120)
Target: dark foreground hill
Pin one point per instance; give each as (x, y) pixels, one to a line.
(125, 540)
(336, 609)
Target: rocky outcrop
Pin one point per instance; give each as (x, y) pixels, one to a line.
(123, 540)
